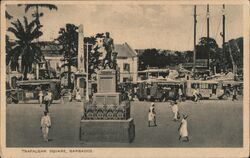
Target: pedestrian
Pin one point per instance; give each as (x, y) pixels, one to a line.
(151, 117)
(45, 126)
(175, 110)
(183, 131)
(234, 94)
(40, 94)
(180, 94)
(78, 95)
(195, 94)
(46, 102)
(152, 106)
(50, 97)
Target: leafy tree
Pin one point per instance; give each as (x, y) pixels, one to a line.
(206, 47)
(37, 14)
(68, 39)
(25, 45)
(234, 52)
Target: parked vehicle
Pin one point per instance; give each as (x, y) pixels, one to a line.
(160, 90)
(207, 88)
(28, 90)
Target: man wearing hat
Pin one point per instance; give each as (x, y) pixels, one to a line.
(183, 128)
(45, 126)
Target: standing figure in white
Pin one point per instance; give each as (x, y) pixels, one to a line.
(183, 128)
(45, 126)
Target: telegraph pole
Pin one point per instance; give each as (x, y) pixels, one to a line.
(194, 55)
(223, 31)
(87, 71)
(208, 47)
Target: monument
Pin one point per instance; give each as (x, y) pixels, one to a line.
(107, 117)
(80, 75)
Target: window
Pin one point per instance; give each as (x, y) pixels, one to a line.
(125, 79)
(195, 85)
(204, 86)
(126, 67)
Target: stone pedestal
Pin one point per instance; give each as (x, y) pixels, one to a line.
(122, 131)
(107, 118)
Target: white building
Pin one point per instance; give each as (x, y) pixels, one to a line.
(127, 61)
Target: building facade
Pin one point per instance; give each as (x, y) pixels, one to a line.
(127, 62)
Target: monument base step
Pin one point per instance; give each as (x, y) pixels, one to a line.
(122, 131)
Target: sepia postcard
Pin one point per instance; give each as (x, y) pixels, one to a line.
(103, 78)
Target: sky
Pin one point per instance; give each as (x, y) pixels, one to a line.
(141, 26)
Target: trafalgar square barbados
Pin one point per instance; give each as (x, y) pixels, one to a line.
(125, 78)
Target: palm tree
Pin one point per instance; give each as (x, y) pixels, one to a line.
(8, 16)
(37, 14)
(25, 45)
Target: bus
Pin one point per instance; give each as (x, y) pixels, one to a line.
(207, 88)
(159, 90)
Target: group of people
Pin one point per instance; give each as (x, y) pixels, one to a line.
(183, 131)
(76, 95)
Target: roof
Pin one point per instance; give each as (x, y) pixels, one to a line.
(124, 50)
(50, 49)
(37, 82)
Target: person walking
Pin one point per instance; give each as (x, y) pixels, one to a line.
(45, 126)
(151, 117)
(180, 94)
(234, 94)
(195, 94)
(175, 110)
(78, 95)
(183, 131)
(49, 97)
(40, 95)
(152, 107)
(46, 102)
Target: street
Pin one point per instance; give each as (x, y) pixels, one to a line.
(211, 123)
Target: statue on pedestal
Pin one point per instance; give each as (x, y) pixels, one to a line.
(108, 44)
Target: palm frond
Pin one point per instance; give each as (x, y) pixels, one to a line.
(8, 16)
(49, 6)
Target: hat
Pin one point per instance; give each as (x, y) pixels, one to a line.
(185, 116)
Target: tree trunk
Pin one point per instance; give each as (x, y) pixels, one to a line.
(25, 72)
(69, 74)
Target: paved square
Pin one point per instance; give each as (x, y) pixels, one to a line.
(211, 123)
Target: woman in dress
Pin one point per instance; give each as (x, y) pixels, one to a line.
(183, 128)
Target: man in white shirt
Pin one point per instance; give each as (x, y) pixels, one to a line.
(45, 126)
